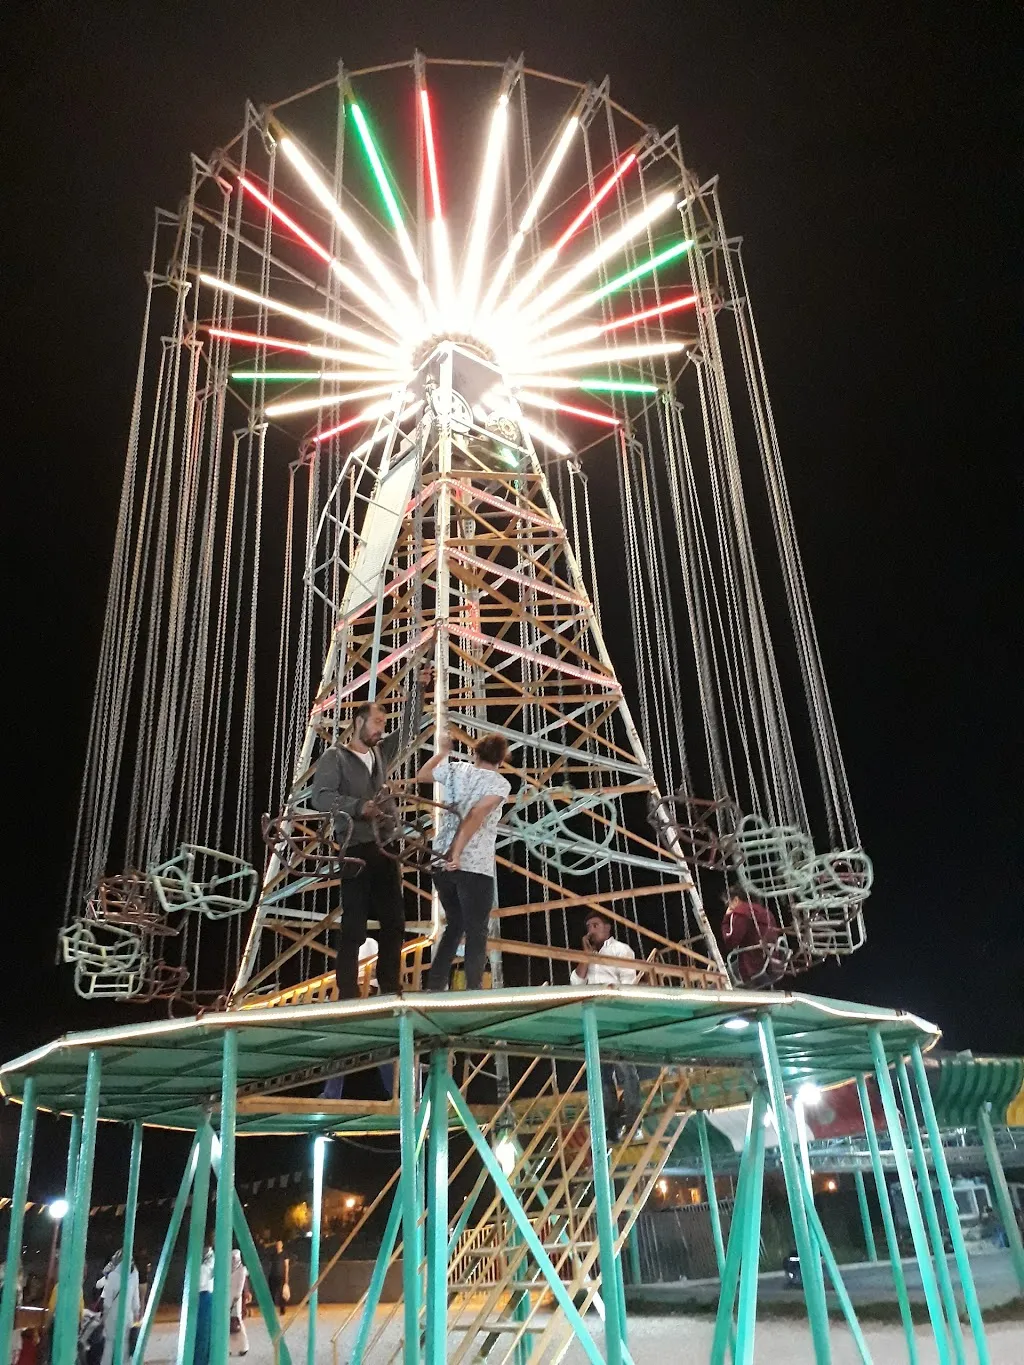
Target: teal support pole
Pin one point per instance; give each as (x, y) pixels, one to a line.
(69, 1287)
(725, 1336)
(633, 1255)
(620, 1289)
(888, 1222)
(865, 1216)
(380, 1270)
(906, 1177)
(220, 1327)
(526, 1229)
(19, 1196)
(437, 1214)
(411, 1241)
(800, 1118)
(258, 1280)
(195, 1247)
(384, 1254)
(956, 1234)
(156, 1289)
(709, 1188)
(128, 1243)
(746, 1317)
(814, 1295)
(1002, 1193)
(613, 1326)
(319, 1158)
(931, 1215)
(831, 1265)
(74, 1151)
(521, 1311)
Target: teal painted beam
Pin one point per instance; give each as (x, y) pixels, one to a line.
(814, 1296)
(606, 1230)
(888, 1222)
(437, 1214)
(194, 1248)
(19, 1196)
(128, 1243)
(931, 1215)
(156, 1289)
(220, 1327)
(956, 1235)
(906, 1178)
(865, 1216)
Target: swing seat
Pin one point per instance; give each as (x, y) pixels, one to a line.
(404, 832)
(126, 899)
(309, 843)
(558, 826)
(839, 882)
(206, 882)
(760, 965)
(773, 862)
(109, 959)
(698, 829)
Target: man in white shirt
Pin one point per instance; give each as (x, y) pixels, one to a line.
(472, 795)
(615, 971)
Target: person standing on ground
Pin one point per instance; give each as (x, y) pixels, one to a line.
(204, 1311)
(348, 781)
(239, 1336)
(600, 939)
(472, 794)
(112, 1285)
(277, 1277)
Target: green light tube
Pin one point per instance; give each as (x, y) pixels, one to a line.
(377, 165)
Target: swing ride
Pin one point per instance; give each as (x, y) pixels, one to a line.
(511, 422)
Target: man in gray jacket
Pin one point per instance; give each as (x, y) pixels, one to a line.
(348, 779)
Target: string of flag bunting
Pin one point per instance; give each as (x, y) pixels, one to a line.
(287, 1180)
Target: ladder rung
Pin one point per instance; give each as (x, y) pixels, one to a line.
(497, 1325)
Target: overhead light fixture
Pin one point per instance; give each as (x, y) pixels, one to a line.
(736, 1024)
(809, 1093)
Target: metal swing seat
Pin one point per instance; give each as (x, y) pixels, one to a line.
(699, 829)
(773, 960)
(773, 862)
(110, 960)
(311, 843)
(204, 881)
(405, 831)
(541, 820)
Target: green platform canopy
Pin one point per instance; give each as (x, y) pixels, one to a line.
(169, 1073)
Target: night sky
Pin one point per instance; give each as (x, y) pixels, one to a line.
(869, 157)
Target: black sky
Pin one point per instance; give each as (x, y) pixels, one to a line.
(869, 156)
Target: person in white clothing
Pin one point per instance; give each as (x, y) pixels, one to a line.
(472, 794)
(239, 1275)
(614, 971)
(600, 939)
(110, 1294)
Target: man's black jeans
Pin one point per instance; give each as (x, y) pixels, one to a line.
(376, 893)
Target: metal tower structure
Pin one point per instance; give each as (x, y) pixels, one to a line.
(542, 453)
(515, 424)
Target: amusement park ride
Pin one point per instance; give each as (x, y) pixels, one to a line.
(504, 412)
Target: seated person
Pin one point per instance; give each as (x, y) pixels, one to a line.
(757, 946)
(600, 939)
